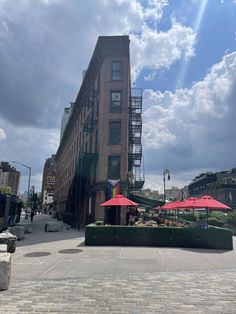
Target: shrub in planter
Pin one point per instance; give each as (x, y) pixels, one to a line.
(213, 237)
(201, 215)
(98, 234)
(215, 222)
(187, 216)
(231, 218)
(99, 223)
(220, 216)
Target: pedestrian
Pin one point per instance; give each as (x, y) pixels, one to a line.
(32, 215)
(127, 217)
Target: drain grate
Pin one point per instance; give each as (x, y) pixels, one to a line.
(37, 254)
(70, 251)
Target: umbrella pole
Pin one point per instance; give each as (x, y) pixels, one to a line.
(207, 216)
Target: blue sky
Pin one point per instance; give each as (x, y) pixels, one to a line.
(183, 55)
(215, 36)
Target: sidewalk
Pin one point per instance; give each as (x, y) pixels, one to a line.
(56, 273)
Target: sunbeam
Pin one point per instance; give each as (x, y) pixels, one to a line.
(196, 27)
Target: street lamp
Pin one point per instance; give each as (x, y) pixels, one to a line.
(166, 171)
(29, 168)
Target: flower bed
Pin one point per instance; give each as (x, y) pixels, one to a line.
(212, 238)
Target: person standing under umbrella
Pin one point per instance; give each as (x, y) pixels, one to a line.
(127, 216)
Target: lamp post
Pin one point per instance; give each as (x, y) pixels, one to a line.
(166, 171)
(29, 168)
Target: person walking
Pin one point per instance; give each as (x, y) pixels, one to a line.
(32, 215)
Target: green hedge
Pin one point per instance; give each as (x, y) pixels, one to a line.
(215, 222)
(231, 218)
(213, 238)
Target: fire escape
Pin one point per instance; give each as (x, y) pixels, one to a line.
(135, 177)
(91, 120)
(86, 160)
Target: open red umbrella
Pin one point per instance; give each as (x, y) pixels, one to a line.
(186, 204)
(119, 200)
(171, 205)
(113, 207)
(208, 202)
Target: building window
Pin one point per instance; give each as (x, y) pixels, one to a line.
(115, 132)
(113, 167)
(116, 101)
(116, 71)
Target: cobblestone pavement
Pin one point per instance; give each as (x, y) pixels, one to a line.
(175, 292)
(116, 280)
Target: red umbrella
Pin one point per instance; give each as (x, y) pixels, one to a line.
(119, 200)
(208, 201)
(171, 205)
(187, 203)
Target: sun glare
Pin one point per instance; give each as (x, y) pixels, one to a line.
(196, 27)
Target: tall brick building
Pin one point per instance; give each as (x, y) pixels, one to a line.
(48, 182)
(102, 138)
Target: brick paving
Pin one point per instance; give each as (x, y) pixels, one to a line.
(92, 290)
(175, 292)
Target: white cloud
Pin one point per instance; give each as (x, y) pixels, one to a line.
(44, 47)
(38, 62)
(193, 128)
(53, 140)
(156, 50)
(2, 134)
(154, 10)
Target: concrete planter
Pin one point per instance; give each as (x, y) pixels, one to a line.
(9, 239)
(211, 238)
(5, 270)
(18, 231)
(3, 248)
(27, 226)
(52, 226)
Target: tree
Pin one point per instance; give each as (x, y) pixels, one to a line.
(35, 202)
(5, 189)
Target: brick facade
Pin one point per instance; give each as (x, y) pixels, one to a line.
(82, 157)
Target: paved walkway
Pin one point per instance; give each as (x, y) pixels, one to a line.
(56, 273)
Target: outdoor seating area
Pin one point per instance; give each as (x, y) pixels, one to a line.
(177, 224)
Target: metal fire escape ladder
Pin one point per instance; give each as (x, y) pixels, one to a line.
(85, 161)
(136, 179)
(91, 121)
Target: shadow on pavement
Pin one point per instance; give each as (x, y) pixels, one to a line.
(39, 235)
(212, 251)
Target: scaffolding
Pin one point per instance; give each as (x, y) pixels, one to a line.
(135, 175)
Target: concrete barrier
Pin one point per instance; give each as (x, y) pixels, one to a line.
(5, 270)
(3, 248)
(9, 239)
(18, 231)
(27, 226)
(53, 226)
